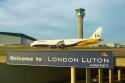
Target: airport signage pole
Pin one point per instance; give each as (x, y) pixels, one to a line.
(100, 75)
(110, 76)
(88, 75)
(119, 74)
(73, 75)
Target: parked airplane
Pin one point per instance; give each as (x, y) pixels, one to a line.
(62, 43)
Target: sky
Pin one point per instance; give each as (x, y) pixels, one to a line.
(56, 19)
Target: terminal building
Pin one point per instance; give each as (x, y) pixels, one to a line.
(8, 38)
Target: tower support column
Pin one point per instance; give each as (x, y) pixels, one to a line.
(80, 14)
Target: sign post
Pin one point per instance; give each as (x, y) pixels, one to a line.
(119, 75)
(88, 75)
(73, 75)
(110, 76)
(100, 76)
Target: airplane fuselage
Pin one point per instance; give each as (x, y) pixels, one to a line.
(66, 42)
(54, 42)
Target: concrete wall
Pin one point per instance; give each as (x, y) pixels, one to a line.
(31, 74)
(6, 39)
(120, 61)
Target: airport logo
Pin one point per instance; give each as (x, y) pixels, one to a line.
(104, 54)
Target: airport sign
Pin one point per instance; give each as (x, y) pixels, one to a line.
(82, 59)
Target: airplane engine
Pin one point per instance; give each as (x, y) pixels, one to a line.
(60, 44)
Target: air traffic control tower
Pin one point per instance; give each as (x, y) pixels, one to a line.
(80, 14)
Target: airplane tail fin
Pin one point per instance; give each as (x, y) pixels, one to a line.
(97, 33)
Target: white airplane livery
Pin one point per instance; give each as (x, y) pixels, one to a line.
(61, 43)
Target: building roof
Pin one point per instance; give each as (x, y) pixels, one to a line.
(18, 35)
